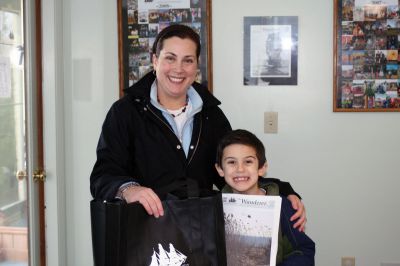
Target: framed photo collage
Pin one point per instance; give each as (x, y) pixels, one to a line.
(366, 56)
(139, 22)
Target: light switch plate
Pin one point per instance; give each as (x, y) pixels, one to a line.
(348, 261)
(271, 122)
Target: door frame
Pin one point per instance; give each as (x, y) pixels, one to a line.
(43, 33)
(33, 126)
(52, 33)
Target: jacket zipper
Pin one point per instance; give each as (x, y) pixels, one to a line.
(197, 142)
(168, 126)
(162, 121)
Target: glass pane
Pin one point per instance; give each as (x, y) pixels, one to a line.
(13, 187)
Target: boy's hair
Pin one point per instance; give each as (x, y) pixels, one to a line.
(244, 137)
(176, 30)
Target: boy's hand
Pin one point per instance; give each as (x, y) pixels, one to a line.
(300, 213)
(147, 197)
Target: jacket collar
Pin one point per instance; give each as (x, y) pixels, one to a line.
(141, 89)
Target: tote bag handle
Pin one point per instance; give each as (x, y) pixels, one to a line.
(181, 188)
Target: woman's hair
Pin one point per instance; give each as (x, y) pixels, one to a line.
(244, 137)
(176, 30)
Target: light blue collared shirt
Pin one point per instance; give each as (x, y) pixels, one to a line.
(187, 129)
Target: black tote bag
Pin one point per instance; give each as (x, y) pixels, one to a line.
(191, 233)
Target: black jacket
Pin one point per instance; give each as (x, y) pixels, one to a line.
(137, 144)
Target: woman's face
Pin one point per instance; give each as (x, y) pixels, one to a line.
(176, 67)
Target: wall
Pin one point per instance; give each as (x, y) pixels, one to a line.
(80, 81)
(91, 85)
(343, 164)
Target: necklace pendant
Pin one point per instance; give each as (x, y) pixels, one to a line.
(181, 112)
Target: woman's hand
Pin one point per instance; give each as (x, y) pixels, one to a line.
(145, 196)
(300, 213)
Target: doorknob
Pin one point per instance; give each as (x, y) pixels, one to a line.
(39, 175)
(21, 175)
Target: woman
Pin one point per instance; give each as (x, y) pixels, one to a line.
(165, 128)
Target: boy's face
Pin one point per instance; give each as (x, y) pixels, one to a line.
(240, 169)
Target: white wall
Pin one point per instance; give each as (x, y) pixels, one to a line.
(343, 164)
(91, 85)
(83, 47)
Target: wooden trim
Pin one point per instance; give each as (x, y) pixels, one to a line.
(121, 69)
(334, 54)
(39, 126)
(209, 47)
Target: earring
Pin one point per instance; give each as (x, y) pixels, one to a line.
(154, 72)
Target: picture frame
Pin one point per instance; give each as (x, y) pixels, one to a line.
(139, 21)
(270, 50)
(366, 56)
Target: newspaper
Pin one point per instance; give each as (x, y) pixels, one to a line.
(251, 229)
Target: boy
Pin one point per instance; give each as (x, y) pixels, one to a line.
(241, 161)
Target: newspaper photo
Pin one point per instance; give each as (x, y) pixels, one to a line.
(251, 229)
